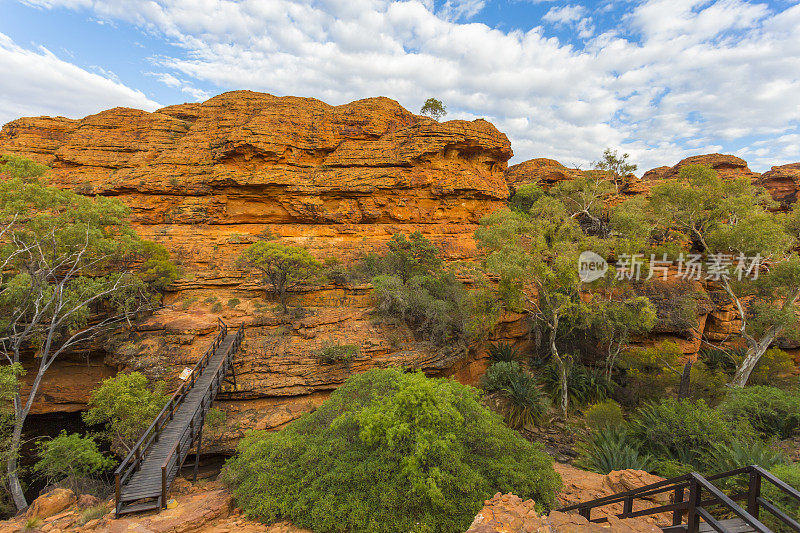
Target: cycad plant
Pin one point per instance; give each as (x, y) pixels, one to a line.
(527, 403)
(503, 352)
(608, 449)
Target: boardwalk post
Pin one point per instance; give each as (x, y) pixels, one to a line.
(753, 493)
(117, 488)
(693, 522)
(677, 515)
(164, 487)
(197, 454)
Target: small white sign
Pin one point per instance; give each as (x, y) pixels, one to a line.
(186, 373)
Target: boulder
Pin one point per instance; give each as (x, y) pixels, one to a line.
(50, 503)
(782, 183)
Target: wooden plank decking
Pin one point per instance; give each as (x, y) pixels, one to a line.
(144, 489)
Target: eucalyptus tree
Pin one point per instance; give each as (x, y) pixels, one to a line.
(71, 270)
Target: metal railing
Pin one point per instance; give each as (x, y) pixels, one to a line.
(133, 461)
(696, 506)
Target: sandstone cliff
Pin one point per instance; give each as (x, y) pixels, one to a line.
(208, 179)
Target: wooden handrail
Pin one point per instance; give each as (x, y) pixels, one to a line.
(695, 506)
(130, 464)
(216, 382)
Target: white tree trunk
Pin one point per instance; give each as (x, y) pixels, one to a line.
(751, 358)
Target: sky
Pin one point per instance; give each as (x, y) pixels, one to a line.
(658, 79)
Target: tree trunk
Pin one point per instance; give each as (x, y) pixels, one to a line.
(562, 369)
(14, 486)
(751, 358)
(684, 389)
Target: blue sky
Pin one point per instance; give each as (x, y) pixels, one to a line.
(660, 79)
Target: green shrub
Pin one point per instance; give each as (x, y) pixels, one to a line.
(527, 403)
(233, 302)
(70, 457)
(790, 474)
(503, 352)
(524, 197)
(388, 452)
(584, 385)
(91, 513)
(681, 430)
(126, 404)
(411, 285)
(707, 384)
(669, 468)
(740, 453)
(605, 414)
(649, 371)
(331, 353)
(215, 422)
(721, 360)
(769, 410)
(216, 308)
(773, 368)
(499, 375)
(610, 449)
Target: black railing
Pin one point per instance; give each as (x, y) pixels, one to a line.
(701, 495)
(136, 455)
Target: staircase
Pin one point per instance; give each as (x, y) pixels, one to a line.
(703, 498)
(143, 479)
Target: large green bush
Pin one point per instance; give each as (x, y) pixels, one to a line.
(127, 405)
(388, 452)
(788, 473)
(70, 458)
(769, 410)
(682, 431)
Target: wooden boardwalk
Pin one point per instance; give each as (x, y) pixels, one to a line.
(144, 478)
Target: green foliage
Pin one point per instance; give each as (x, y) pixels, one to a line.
(126, 405)
(282, 267)
(616, 165)
(584, 385)
(217, 307)
(526, 402)
(19, 167)
(790, 474)
(681, 430)
(422, 451)
(605, 414)
(503, 352)
(524, 197)
(233, 302)
(433, 108)
(608, 449)
(70, 457)
(614, 321)
(770, 411)
(651, 370)
(737, 454)
(215, 422)
(706, 384)
(773, 368)
(332, 353)
(499, 375)
(413, 287)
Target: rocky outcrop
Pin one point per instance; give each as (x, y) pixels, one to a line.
(507, 513)
(727, 166)
(208, 179)
(783, 184)
(540, 171)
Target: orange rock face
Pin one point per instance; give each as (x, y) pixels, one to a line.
(207, 179)
(783, 184)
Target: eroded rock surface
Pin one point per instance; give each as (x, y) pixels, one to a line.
(208, 179)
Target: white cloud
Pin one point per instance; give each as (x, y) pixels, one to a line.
(695, 75)
(39, 83)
